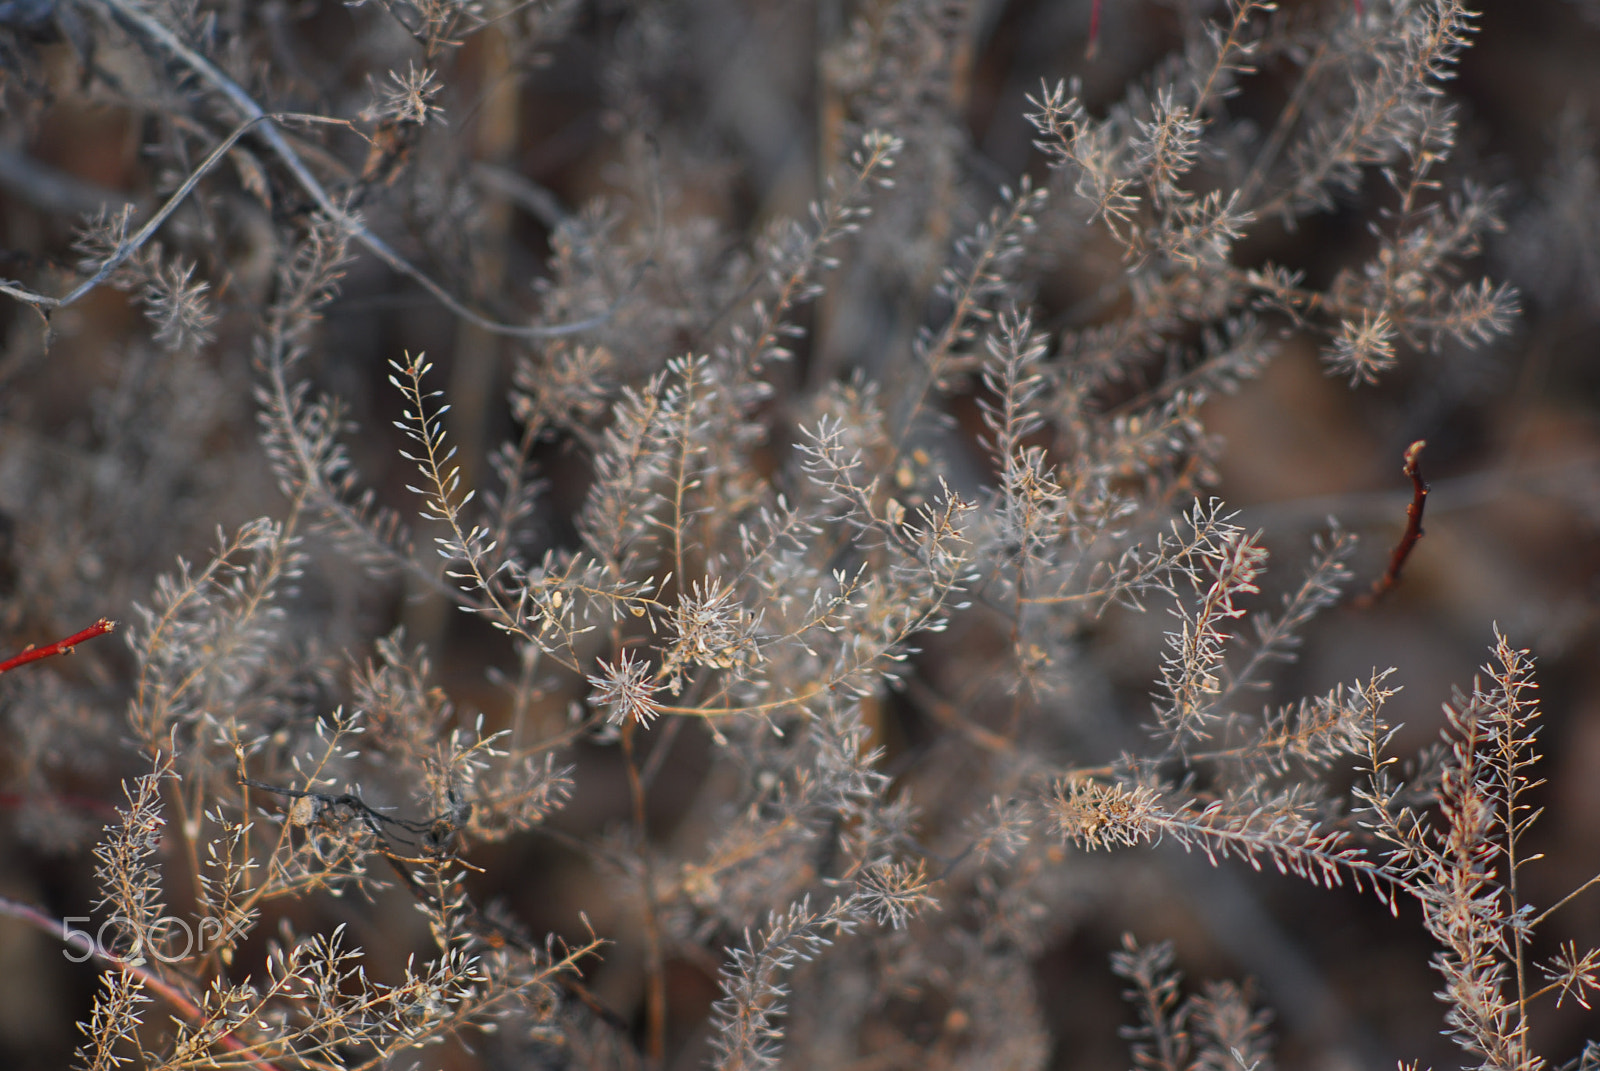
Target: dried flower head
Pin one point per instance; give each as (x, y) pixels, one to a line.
(406, 98)
(626, 689)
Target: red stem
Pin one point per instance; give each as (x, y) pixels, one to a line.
(61, 647)
(151, 981)
(1413, 532)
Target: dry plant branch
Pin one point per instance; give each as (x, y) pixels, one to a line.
(139, 238)
(1412, 533)
(146, 977)
(887, 613)
(32, 653)
(152, 28)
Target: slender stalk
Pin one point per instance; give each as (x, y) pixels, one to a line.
(1413, 532)
(655, 972)
(31, 653)
(154, 30)
(147, 978)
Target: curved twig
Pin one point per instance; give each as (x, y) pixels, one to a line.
(152, 981)
(132, 245)
(1413, 532)
(158, 33)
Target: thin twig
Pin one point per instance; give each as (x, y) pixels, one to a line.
(436, 836)
(1413, 532)
(150, 980)
(31, 653)
(655, 971)
(132, 245)
(1585, 887)
(152, 28)
(532, 198)
(437, 840)
(497, 934)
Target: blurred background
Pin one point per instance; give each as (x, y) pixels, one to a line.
(117, 456)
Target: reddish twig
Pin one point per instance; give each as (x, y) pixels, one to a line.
(31, 653)
(149, 979)
(88, 804)
(1413, 532)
